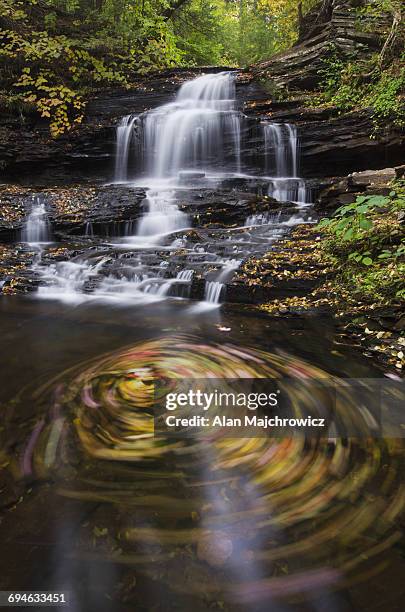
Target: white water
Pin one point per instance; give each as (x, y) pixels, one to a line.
(191, 132)
(228, 269)
(213, 291)
(281, 145)
(191, 143)
(36, 226)
(164, 287)
(125, 132)
(265, 218)
(162, 218)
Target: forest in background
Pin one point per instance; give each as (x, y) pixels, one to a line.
(56, 53)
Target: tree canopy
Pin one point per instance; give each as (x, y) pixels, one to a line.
(54, 53)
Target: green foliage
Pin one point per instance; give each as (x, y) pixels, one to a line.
(349, 84)
(51, 60)
(55, 53)
(235, 32)
(366, 240)
(386, 96)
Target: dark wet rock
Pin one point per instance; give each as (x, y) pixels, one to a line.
(106, 211)
(112, 212)
(330, 143)
(372, 178)
(344, 144)
(255, 294)
(226, 208)
(189, 175)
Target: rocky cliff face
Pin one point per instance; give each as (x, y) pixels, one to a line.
(29, 155)
(332, 143)
(332, 26)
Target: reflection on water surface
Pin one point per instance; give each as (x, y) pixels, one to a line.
(94, 505)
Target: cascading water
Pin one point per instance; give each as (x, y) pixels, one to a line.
(163, 216)
(125, 132)
(281, 149)
(192, 132)
(281, 145)
(213, 291)
(189, 144)
(263, 219)
(36, 226)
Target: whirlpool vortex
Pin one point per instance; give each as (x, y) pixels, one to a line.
(259, 517)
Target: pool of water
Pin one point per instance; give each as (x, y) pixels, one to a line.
(121, 522)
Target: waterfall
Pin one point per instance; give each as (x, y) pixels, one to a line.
(125, 131)
(182, 283)
(281, 149)
(192, 132)
(265, 218)
(188, 145)
(162, 218)
(185, 275)
(89, 232)
(274, 144)
(289, 190)
(281, 146)
(293, 147)
(36, 227)
(212, 291)
(227, 271)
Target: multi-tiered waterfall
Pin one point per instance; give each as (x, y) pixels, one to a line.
(199, 131)
(200, 135)
(193, 143)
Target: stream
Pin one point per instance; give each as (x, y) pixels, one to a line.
(96, 506)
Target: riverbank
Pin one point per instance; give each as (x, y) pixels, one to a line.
(314, 271)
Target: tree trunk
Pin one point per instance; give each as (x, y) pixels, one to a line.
(396, 20)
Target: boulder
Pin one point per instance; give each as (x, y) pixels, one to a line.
(344, 190)
(372, 177)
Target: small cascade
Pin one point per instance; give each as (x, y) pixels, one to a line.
(156, 286)
(265, 218)
(280, 146)
(281, 163)
(162, 218)
(125, 131)
(129, 228)
(67, 280)
(89, 231)
(176, 287)
(36, 226)
(293, 147)
(213, 291)
(228, 269)
(185, 275)
(290, 190)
